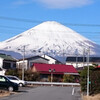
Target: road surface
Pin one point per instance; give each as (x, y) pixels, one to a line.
(47, 93)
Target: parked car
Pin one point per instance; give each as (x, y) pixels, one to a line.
(17, 80)
(5, 83)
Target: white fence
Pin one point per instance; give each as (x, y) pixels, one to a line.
(53, 83)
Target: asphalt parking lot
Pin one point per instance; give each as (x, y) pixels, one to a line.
(4, 93)
(23, 89)
(45, 93)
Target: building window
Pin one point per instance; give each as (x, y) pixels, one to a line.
(6, 65)
(14, 65)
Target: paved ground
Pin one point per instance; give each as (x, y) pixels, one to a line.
(46, 93)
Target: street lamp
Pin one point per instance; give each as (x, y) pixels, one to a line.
(51, 71)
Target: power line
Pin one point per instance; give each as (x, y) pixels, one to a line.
(19, 19)
(11, 27)
(89, 25)
(37, 21)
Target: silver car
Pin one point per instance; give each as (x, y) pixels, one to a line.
(16, 80)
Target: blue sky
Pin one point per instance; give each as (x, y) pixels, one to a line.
(15, 13)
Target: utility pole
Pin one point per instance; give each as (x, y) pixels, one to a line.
(23, 62)
(23, 66)
(76, 58)
(83, 57)
(76, 61)
(88, 51)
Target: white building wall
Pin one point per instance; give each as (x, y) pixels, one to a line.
(27, 63)
(79, 64)
(20, 64)
(51, 60)
(2, 72)
(1, 62)
(37, 60)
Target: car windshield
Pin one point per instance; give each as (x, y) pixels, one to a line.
(2, 79)
(12, 78)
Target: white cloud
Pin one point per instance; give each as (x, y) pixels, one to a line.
(61, 4)
(65, 3)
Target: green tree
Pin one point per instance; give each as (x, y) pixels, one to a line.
(83, 77)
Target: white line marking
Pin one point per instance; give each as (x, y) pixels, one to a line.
(73, 91)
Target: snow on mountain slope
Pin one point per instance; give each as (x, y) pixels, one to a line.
(50, 38)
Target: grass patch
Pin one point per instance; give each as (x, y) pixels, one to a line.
(94, 97)
(4, 93)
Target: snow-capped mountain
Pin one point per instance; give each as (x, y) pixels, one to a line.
(50, 38)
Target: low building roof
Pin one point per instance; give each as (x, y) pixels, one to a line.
(81, 59)
(34, 57)
(7, 57)
(98, 66)
(55, 68)
(52, 58)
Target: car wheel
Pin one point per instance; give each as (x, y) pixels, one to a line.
(10, 88)
(20, 84)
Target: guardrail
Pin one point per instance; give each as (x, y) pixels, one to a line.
(53, 83)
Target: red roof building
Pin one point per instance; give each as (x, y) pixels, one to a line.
(54, 68)
(98, 66)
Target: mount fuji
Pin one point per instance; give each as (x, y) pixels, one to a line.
(51, 38)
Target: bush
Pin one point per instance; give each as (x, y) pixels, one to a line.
(28, 74)
(68, 78)
(32, 76)
(55, 79)
(14, 72)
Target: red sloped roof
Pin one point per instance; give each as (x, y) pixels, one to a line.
(98, 66)
(59, 68)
